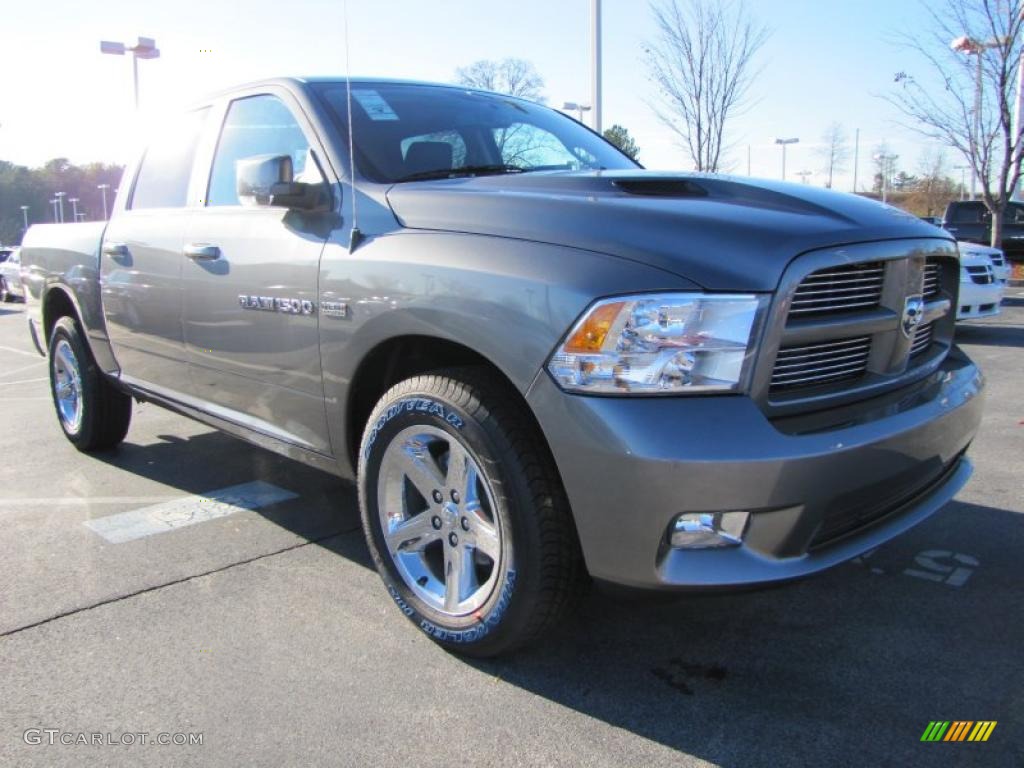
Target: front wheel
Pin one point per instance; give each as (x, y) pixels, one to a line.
(464, 513)
(92, 413)
(5, 294)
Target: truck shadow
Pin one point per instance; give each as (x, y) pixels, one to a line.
(990, 334)
(854, 662)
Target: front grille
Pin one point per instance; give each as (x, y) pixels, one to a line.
(981, 275)
(931, 279)
(999, 259)
(922, 339)
(837, 289)
(820, 363)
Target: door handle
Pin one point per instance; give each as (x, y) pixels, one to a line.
(202, 251)
(115, 250)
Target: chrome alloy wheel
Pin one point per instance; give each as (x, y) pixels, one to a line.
(438, 517)
(67, 386)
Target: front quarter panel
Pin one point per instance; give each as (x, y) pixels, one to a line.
(510, 301)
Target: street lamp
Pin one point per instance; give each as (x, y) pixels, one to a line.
(145, 48)
(784, 143)
(579, 109)
(24, 216)
(74, 208)
(60, 200)
(103, 191)
(963, 179)
(56, 216)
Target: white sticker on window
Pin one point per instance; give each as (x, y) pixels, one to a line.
(374, 104)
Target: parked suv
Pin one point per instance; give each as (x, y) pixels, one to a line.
(539, 362)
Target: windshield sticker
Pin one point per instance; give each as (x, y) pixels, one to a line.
(374, 105)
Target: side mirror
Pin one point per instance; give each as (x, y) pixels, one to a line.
(270, 180)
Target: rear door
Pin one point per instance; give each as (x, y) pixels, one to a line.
(250, 287)
(141, 260)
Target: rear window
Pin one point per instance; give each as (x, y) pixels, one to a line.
(163, 177)
(966, 214)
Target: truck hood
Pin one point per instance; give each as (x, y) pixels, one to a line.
(720, 232)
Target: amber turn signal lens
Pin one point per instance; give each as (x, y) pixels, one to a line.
(590, 336)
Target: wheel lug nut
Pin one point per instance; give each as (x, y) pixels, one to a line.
(465, 523)
(438, 497)
(453, 540)
(436, 522)
(455, 496)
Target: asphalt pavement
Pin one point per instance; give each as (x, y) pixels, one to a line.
(156, 593)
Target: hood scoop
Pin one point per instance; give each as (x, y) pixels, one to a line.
(667, 187)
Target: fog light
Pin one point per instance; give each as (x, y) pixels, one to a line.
(707, 530)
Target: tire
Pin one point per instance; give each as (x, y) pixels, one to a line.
(5, 295)
(513, 531)
(92, 413)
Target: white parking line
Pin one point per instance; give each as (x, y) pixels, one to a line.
(20, 352)
(160, 518)
(23, 368)
(23, 381)
(79, 501)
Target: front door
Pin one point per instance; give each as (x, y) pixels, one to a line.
(250, 285)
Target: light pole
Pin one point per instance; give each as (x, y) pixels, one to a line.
(595, 62)
(24, 216)
(103, 191)
(60, 202)
(963, 179)
(856, 159)
(56, 216)
(74, 208)
(784, 143)
(579, 109)
(145, 48)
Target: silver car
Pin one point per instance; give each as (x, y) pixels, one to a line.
(11, 288)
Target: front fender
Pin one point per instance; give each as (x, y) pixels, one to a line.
(510, 301)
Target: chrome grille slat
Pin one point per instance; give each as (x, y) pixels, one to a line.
(821, 363)
(837, 289)
(812, 363)
(828, 308)
(922, 339)
(931, 279)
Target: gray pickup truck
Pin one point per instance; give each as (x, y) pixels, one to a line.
(541, 363)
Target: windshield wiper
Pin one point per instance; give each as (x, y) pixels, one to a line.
(466, 170)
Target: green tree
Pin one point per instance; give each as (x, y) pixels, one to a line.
(35, 188)
(619, 136)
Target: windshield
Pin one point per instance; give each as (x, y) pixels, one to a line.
(409, 132)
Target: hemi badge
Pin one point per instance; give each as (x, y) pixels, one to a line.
(334, 309)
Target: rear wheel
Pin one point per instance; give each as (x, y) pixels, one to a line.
(92, 413)
(464, 513)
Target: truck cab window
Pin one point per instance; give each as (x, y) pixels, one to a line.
(162, 180)
(258, 125)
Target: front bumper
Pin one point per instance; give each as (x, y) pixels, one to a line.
(821, 488)
(979, 300)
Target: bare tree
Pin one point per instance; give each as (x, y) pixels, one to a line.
(516, 77)
(934, 188)
(834, 151)
(702, 64)
(971, 49)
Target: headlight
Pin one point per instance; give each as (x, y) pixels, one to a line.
(665, 343)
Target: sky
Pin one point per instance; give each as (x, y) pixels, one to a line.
(825, 61)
